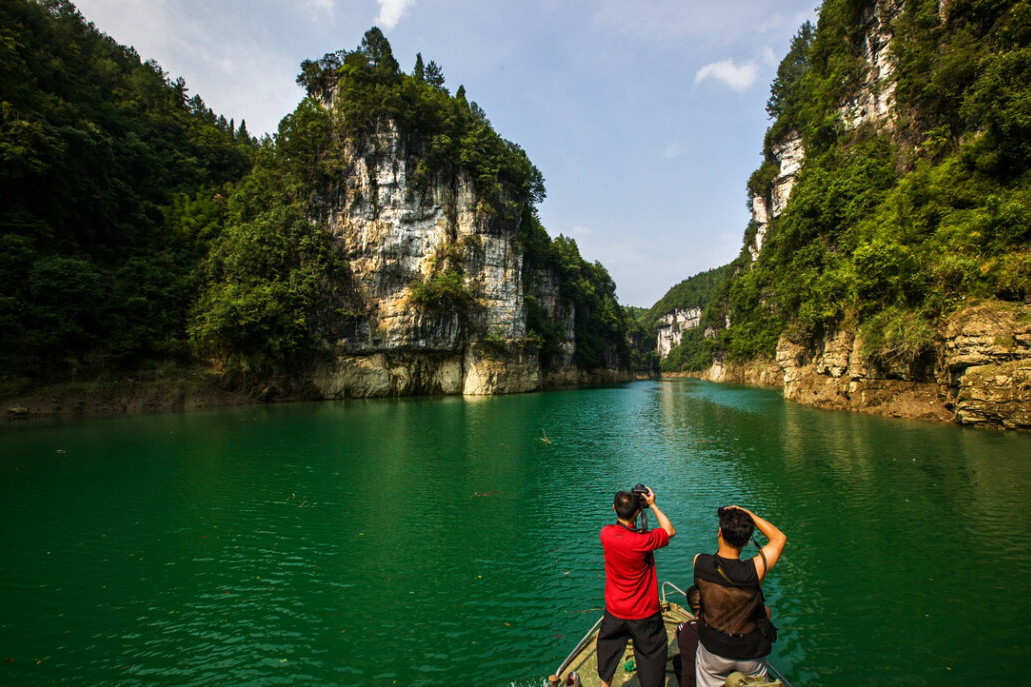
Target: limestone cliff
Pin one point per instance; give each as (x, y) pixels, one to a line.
(887, 267)
(672, 326)
(788, 155)
(980, 372)
(394, 235)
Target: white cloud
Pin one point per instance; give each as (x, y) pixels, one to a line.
(580, 230)
(391, 11)
(735, 76)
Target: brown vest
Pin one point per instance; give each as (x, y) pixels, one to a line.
(731, 602)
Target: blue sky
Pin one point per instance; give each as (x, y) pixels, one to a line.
(645, 117)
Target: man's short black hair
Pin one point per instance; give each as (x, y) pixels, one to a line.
(737, 526)
(626, 504)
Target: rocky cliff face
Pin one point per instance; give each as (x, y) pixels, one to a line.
(981, 372)
(986, 365)
(671, 328)
(873, 102)
(395, 234)
(789, 155)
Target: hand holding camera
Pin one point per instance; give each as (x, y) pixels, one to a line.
(646, 499)
(645, 496)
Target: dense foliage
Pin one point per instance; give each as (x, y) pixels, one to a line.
(136, 225)
(601, 325)
(367, 87)
(891, 228)
(272, 283)
(97, 150)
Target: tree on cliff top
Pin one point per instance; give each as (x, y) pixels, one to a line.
(448, 133)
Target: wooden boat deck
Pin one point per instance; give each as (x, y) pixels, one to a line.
(584, 660)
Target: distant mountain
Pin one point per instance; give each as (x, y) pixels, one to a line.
(676, 325)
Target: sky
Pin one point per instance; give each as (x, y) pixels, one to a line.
(646, 117)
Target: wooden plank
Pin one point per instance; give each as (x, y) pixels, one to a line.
(585, 664)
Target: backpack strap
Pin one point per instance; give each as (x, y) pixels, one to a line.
(762, 554)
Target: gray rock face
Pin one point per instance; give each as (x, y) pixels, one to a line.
(874, 101)
(983, 372)
(395, 234)
(672, 327)
(789, 154)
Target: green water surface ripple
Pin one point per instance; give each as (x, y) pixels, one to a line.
(440, 541)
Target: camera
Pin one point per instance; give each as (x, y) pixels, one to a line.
(639, 492)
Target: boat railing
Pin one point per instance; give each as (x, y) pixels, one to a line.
(670, 585)
(579, 647)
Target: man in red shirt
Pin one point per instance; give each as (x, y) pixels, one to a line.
(632, 591)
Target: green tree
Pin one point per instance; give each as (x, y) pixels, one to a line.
(434, 75)
(785, 87)
(98, 145)
(419, 72)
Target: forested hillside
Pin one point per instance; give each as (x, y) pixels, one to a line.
(694, 351)
(138, 227)
(896, 219)
(105, 164)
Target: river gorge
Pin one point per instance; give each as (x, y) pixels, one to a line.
(410, 541)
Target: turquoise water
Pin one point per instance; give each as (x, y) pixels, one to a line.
(439, 541)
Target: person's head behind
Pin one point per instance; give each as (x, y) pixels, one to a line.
(736, 526)
(694, 599)
(626, 504)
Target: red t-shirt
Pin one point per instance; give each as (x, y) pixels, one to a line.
(631, 585)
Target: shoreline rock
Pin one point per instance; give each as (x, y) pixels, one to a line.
(199, 390)
(981, 375)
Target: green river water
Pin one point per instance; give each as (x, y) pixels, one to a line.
(441, 542)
